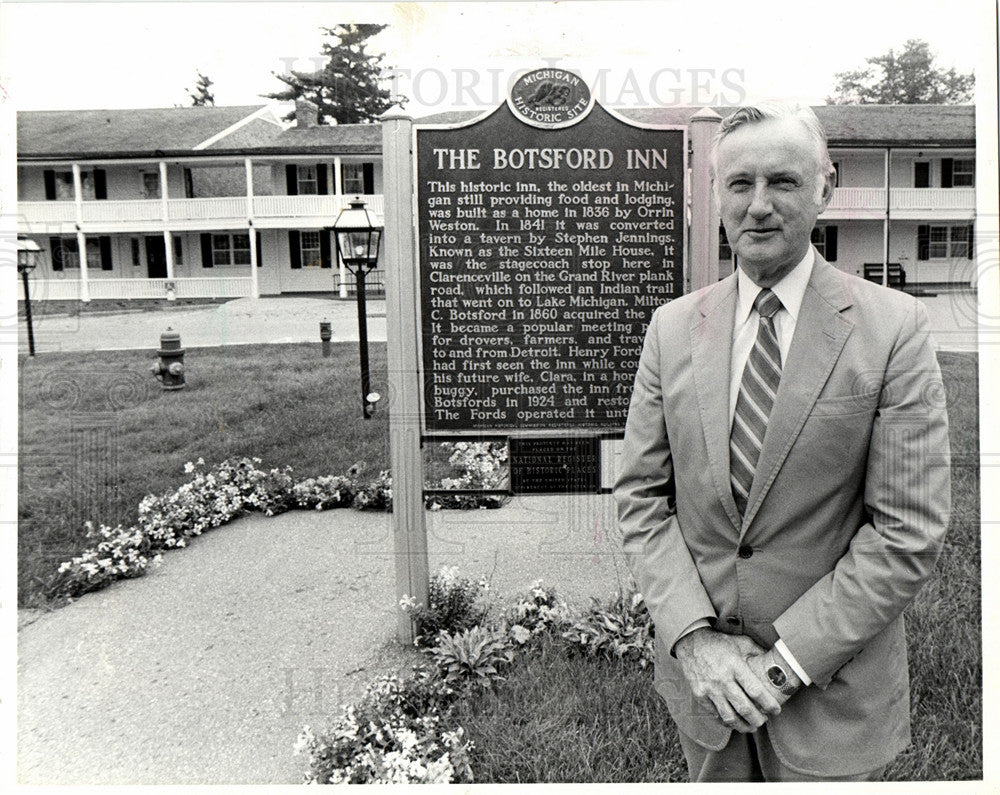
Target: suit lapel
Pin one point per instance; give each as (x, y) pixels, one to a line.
(820, 334)
(711, 350)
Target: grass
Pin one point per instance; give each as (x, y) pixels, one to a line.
(97, 433)
(563, 718)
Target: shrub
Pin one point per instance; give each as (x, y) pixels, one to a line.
(121, 553)
(454, 604)
(397, 734)
(620, 628)
(541, 611)
(473, 656)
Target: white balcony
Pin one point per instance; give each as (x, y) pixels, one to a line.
(856, 203)
(224, 212)
(934, 203)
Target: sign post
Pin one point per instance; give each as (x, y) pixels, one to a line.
(402, 333)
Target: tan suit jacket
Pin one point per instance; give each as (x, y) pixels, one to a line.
(845, 519)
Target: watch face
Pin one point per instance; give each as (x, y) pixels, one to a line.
(777, 676)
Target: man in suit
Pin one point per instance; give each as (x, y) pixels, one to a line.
(783, 489)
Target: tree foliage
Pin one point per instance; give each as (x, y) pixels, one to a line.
(202, 95)
(909, 77)
(348, 87)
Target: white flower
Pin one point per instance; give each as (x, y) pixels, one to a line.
(188, 468)
(519, 633)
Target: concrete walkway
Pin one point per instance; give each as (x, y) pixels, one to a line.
(205, 670)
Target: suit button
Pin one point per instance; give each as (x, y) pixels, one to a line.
(733, 620)
(745, 551)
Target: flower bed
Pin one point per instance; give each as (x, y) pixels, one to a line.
(218, 495)
(404, 729)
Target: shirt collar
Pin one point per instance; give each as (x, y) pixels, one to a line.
(790, 290)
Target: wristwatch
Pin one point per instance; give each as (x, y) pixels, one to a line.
(778, 677)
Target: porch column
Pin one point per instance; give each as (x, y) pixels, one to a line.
(888, 217)
(703, 265)
(168, 239)
(81, 238)
(254, 286)
(338, 190)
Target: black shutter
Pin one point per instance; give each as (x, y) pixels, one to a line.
(56, 252)
(923, 242)
(136, 259)
(50, 184)
(368, 176)
(970, 241)
(294, 249)
(292, 179)
(325, 260)
(260, 258)
(206, 250)
(921, 174)
(831, 244)
(947, 171)
(188, 184)
(100, 183)
(104, 241)
(321, 181)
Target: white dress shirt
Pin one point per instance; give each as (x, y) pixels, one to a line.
(790, 291)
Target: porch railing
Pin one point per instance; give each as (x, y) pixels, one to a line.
(187, 287)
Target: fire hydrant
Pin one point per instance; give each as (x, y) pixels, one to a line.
(169, 368)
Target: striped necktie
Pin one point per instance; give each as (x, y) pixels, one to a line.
(758, 388)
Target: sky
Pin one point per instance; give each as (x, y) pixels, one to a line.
(457, 54)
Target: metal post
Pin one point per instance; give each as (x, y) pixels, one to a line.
(363, 341)
(27, 313)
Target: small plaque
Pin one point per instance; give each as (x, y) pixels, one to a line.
(555, 466)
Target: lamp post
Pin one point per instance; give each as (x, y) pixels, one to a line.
(358, 235)
(28, 253)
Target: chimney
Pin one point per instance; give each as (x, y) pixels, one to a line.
(306, 113)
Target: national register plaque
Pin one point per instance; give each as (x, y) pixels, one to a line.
(544, 248)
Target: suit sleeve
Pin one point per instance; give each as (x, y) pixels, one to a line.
(644, 490)
(907, 494)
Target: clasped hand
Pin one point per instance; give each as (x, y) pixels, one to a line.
(726, 672)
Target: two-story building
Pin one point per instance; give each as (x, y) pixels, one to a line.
(190, 202)
(227, 202)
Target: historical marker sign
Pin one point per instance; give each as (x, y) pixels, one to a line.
(548, 232)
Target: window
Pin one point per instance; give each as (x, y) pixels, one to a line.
(312, 256)
(963, 173)
(352, 177)
(308, 181)
(944, 242)
(725, 250)
(230, 249)
(150, 185)
(64, 185)
(824, 238)
(71, 253)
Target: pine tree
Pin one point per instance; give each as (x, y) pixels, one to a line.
(201, 94)
(906, 78)
(347, 88)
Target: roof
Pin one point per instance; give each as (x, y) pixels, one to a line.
(63, 133)
(845, 125)
(158, 132)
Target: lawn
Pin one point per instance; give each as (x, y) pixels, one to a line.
(97, 434)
